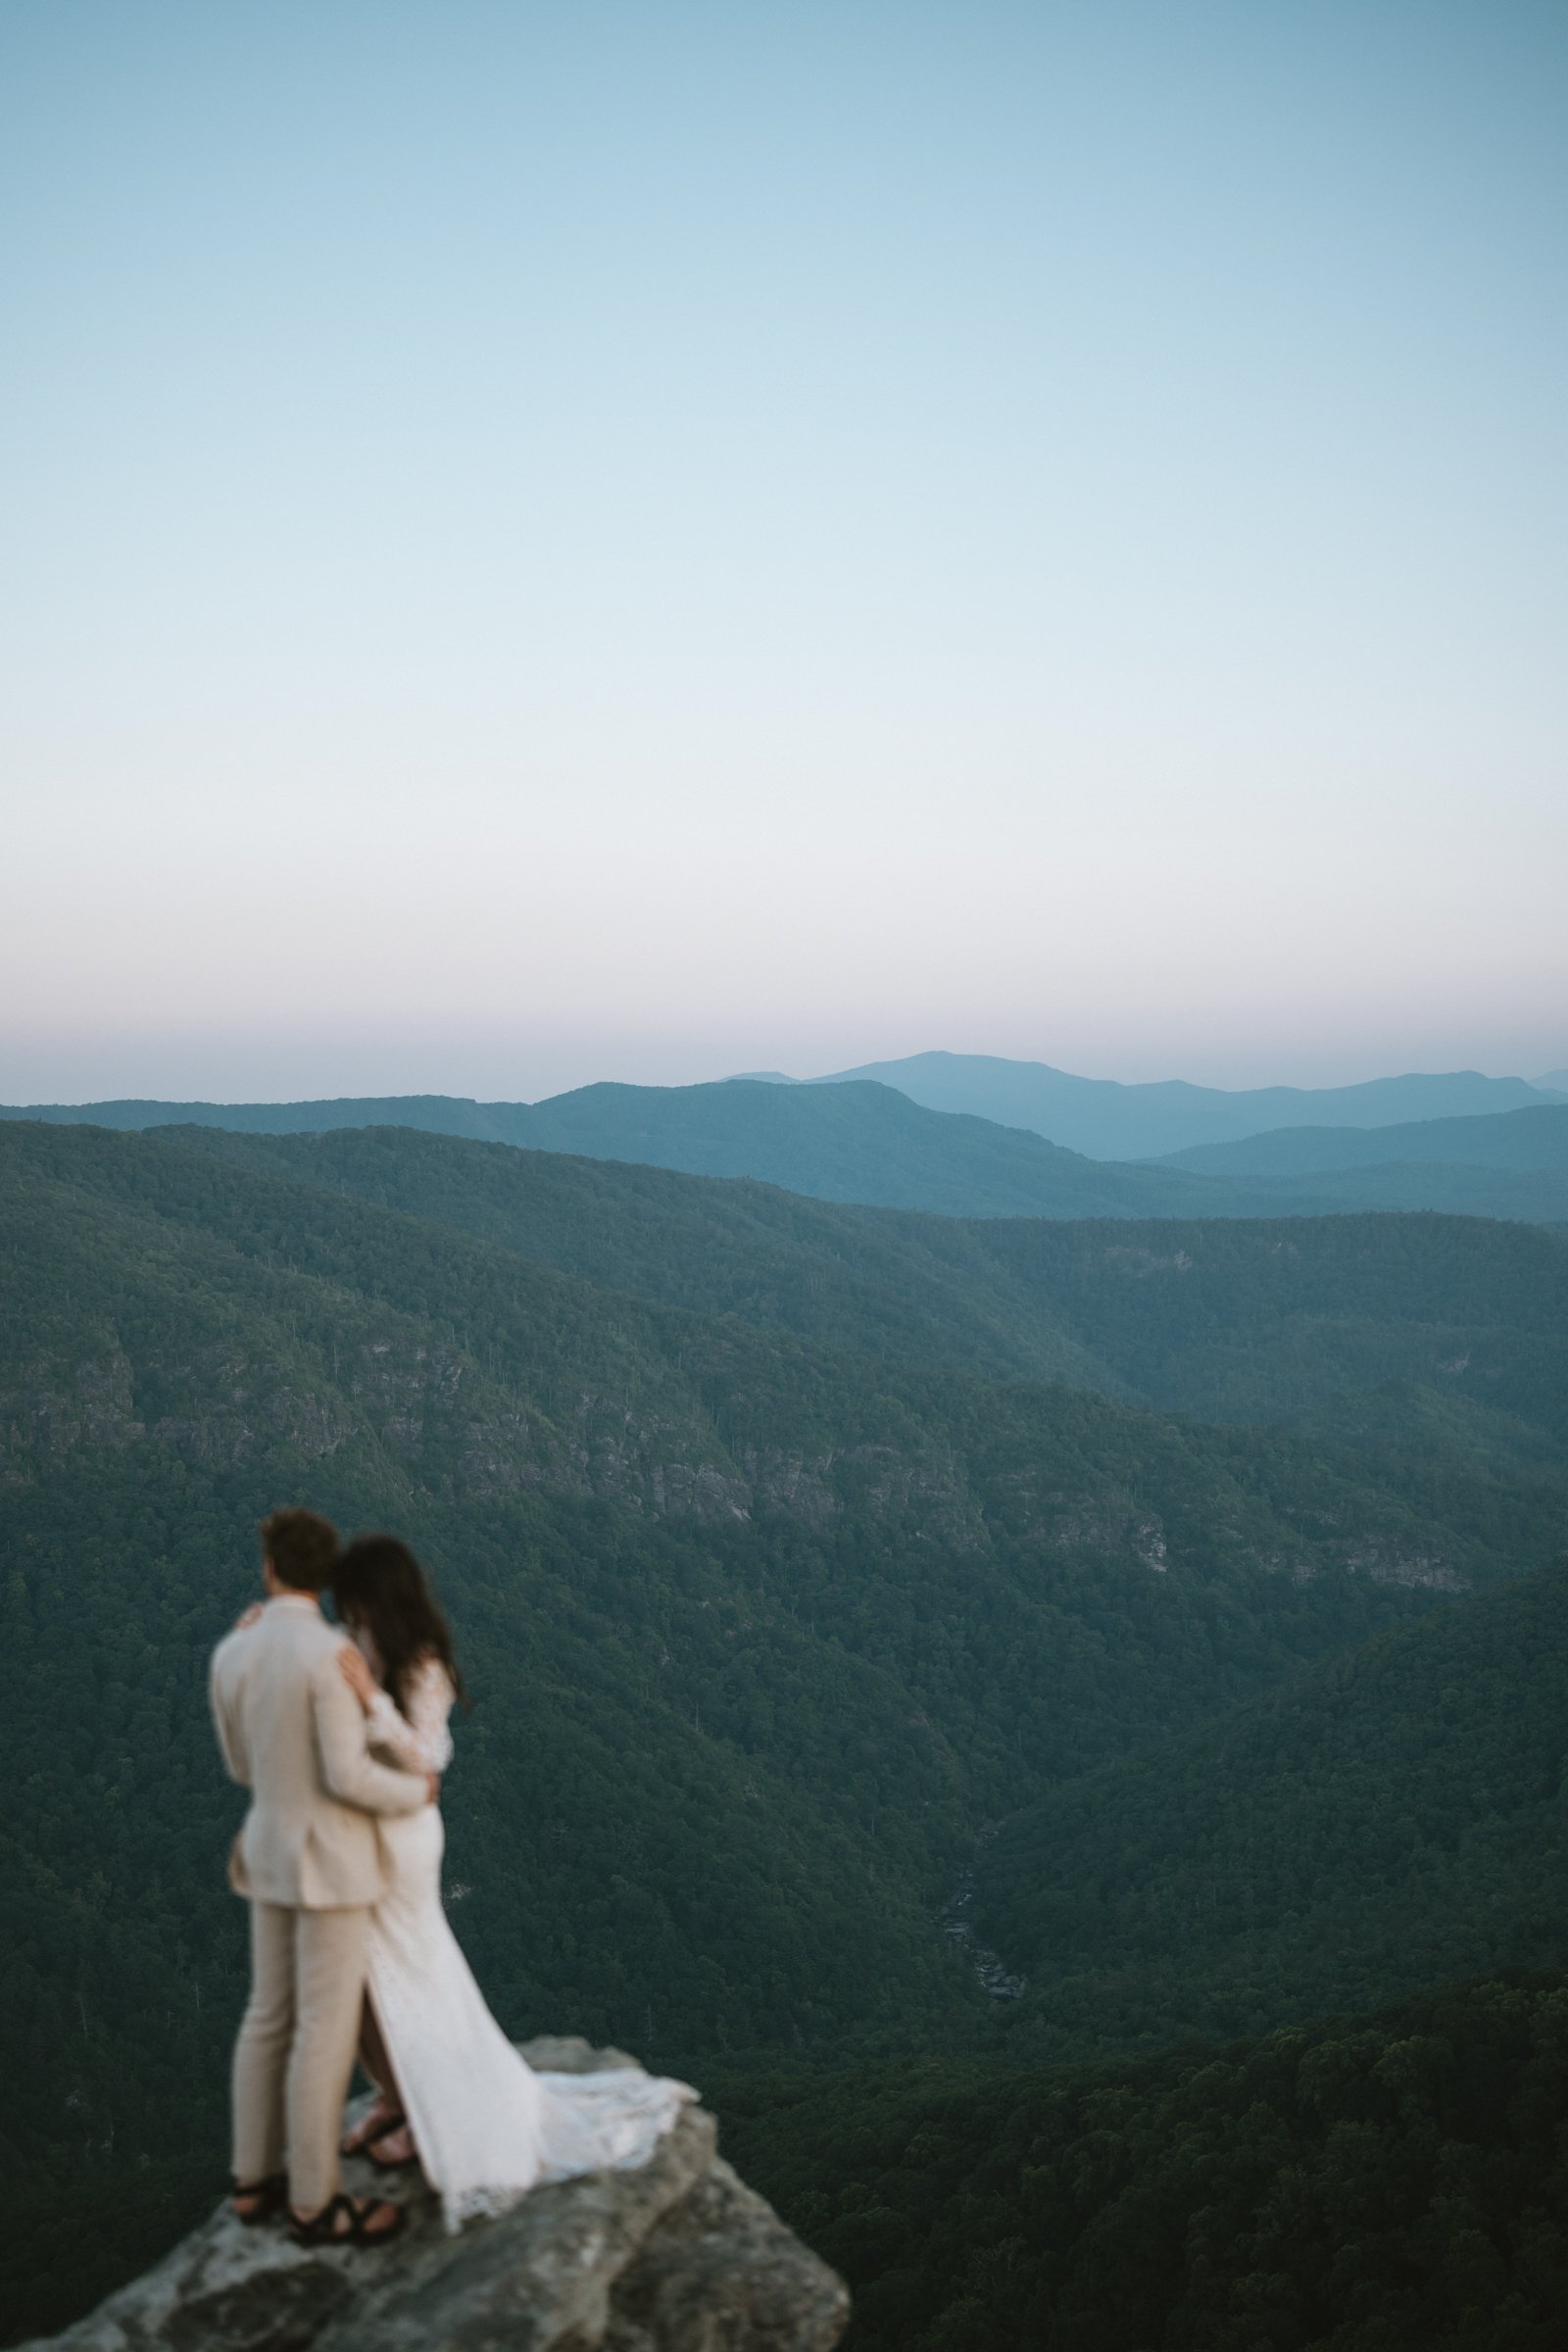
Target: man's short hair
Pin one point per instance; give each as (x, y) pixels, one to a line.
(302, 1547)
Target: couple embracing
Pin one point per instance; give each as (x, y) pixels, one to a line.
(340, 1733)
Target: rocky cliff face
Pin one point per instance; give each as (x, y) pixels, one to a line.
(678, 2257)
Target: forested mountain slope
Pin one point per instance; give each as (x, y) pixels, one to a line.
(823, 1269)
(1384, 1820)
(1352, 1319)
(173, 1302)
(1451, 1332)
(1386, 2183)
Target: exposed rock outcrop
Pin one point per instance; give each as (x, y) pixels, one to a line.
(678, 2257)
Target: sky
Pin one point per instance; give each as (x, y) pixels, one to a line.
(553, 542)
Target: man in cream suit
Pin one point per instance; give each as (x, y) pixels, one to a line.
(309, 1861)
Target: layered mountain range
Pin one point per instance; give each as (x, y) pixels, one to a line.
(1109, 1120)
(864, 1141)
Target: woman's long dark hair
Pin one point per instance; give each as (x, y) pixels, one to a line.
(380, 1584)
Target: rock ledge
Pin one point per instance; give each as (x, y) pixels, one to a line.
(678, 2257)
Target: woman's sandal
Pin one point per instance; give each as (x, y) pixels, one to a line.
(263, 2198)
(321, 2230)
(392, 2163)
(370, 2129)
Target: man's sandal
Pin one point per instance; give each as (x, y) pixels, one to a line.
(370, 2129)
(260, 2198)
(323, 2230)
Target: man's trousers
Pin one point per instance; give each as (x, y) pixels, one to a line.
(295, 2052)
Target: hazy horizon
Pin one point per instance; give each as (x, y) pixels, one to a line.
(552, 544)
(281, 1094)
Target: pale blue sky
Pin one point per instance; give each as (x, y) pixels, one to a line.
(547, 542)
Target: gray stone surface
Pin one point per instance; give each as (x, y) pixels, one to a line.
(678, 2257)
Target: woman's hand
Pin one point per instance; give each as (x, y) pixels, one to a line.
(248, 1618)
(358, 1676)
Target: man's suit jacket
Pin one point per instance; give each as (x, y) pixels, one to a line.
(293, 1733)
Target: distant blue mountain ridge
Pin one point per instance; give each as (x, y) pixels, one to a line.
(1107, 1121)
(1533, 1140)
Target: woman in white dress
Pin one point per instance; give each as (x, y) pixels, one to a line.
(455, 2096)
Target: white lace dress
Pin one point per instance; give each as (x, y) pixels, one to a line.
(488, 2128)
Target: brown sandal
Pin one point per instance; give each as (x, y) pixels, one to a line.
(359, 2141)
(266, 2198)
(392, 2163)
(321, 2229)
